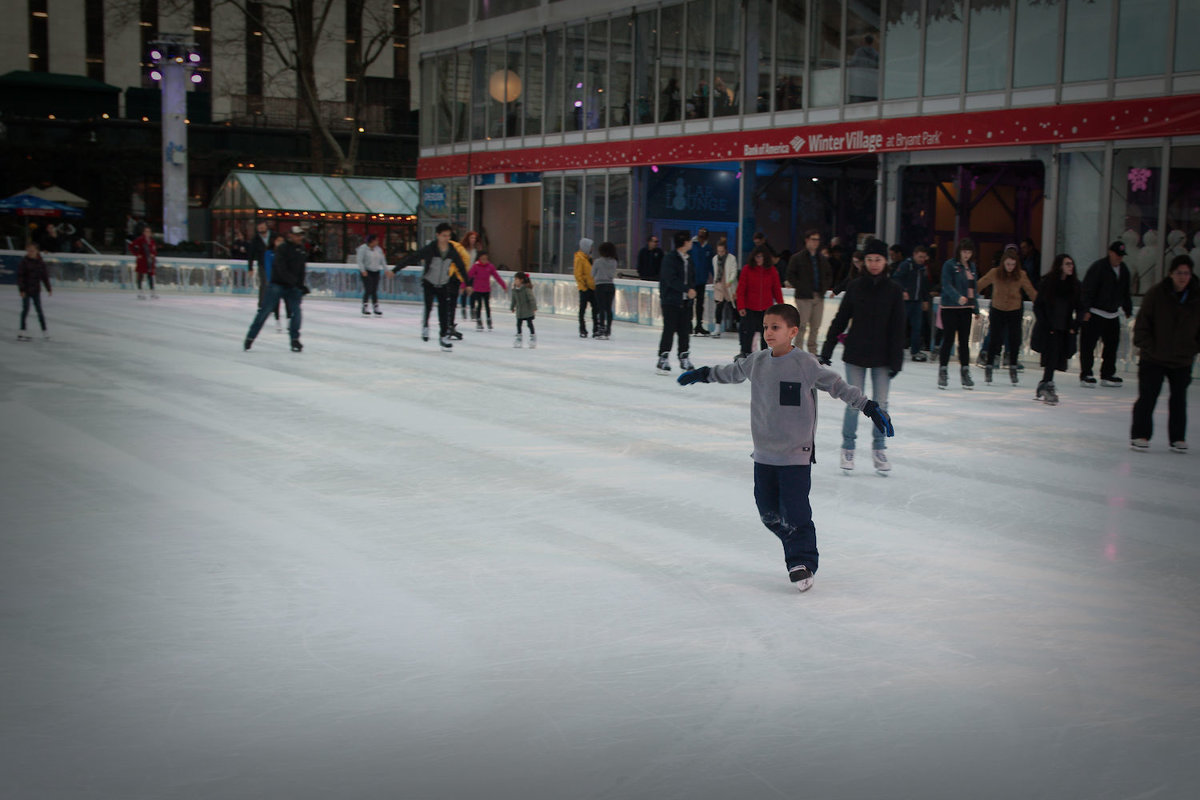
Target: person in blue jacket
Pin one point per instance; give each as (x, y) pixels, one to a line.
(960, 302)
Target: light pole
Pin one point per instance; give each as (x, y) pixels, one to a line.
(174, 60)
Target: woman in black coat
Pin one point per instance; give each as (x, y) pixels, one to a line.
(1056, 323)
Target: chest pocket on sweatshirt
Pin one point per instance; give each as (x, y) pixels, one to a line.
(791, 393)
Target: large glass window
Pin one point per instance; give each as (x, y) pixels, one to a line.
(902, 49)
(429, 82)
(1142, 37)
(497, 89)
(760, 47)
(595, 194)
(514, 88)
(487, 9)
(943, 47)
(825, 53)
(862, 48)
(572, 222)
(553, 119)
(596, 83)
(533, 94)
(479, 92)
(987, 46)
(727, 69)
(618, 217)
(620, 70)
(670, 64)
(1036, 40)
(699, 59)
(576, 60)
(446, 14)
(792, 32)
(552, 188)
(1133, 211)
(645, 42)
(1187, 22)
(461, 92)
(1085, 56)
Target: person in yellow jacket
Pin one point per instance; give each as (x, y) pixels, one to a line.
(586, 284)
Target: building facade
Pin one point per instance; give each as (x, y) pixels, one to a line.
(1069, 122)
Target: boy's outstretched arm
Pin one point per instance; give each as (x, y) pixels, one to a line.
(698, 375)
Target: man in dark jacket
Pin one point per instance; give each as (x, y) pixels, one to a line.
(287, 283)
(912, 277)
(1105, 294)
(445, 270)
(649, 260)
(256, 253)
(809, 274)
(701, 257)
(873, 308)
(1167, 336)
(676, 290)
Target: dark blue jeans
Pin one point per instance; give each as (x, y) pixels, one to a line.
(781, 494)
(291, 299)
(915, 315)
(34, 298)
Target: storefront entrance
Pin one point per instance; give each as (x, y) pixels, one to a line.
(508, 219)
(996, 204)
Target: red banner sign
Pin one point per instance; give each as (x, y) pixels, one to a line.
(1078, 122)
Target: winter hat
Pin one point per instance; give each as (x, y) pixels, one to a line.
(586, 246)
(874, 247)
(1117, 247)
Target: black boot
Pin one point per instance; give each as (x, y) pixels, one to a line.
(967, 383)
(943, 377)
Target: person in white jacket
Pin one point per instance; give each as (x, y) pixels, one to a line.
(371, 261)
(724, 272)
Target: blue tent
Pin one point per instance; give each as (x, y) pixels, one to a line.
(27, 205)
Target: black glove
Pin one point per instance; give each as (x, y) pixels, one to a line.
(699, 375)
(824, 360)
(880, 417)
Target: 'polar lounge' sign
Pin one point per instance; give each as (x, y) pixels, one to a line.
(1079, 122)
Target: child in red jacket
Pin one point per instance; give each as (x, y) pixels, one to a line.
(758, 289)
(479, 284)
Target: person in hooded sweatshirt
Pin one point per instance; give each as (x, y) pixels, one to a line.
(873, 309)
(1166, 334)
(604, 272)
(585, 283)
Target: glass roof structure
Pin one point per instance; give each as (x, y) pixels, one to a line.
(292, 192)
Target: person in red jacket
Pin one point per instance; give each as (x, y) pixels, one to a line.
(758, 289)
(31, 276)
(147, 259)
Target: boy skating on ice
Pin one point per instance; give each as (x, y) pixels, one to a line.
(783, 422)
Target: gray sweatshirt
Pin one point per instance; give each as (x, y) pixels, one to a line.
(783, 402)
(604, 270)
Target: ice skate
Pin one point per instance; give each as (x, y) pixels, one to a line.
(366, 312)
(455, 333)
(489, 323)
(45, 336)
(1179, 447)
(1012, 375)
(685, 363)
(801, 578)
(919, 356)
(24, 337)
(967, 383)
(376, 310)
(943, 377)
(279, 326)
(1113, 382)
(1139, 445)
(987, 373)
(532, 340)
(1049, 394)
(583, 334)
(296, 346)
(446, 343)
(141, 296)
(424, 333)
(247, 344)
(1087, 381)
(847, 460)
(153, 295)
(478, 325)
(518, 341)
(880, 460)
(700, 331)
(664, 363)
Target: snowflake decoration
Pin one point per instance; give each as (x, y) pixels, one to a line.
(1139, 179)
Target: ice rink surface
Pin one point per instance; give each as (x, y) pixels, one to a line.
(374, 570)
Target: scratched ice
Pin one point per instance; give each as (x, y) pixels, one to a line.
(372, 570)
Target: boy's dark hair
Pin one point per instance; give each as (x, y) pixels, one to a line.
(786, 311)
(811, 232)
(445, 226)
(681, 238)
(897, 249)
(607, 250)
(921, 249)
(1182, 260)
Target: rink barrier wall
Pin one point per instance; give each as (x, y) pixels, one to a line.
(635, 302)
